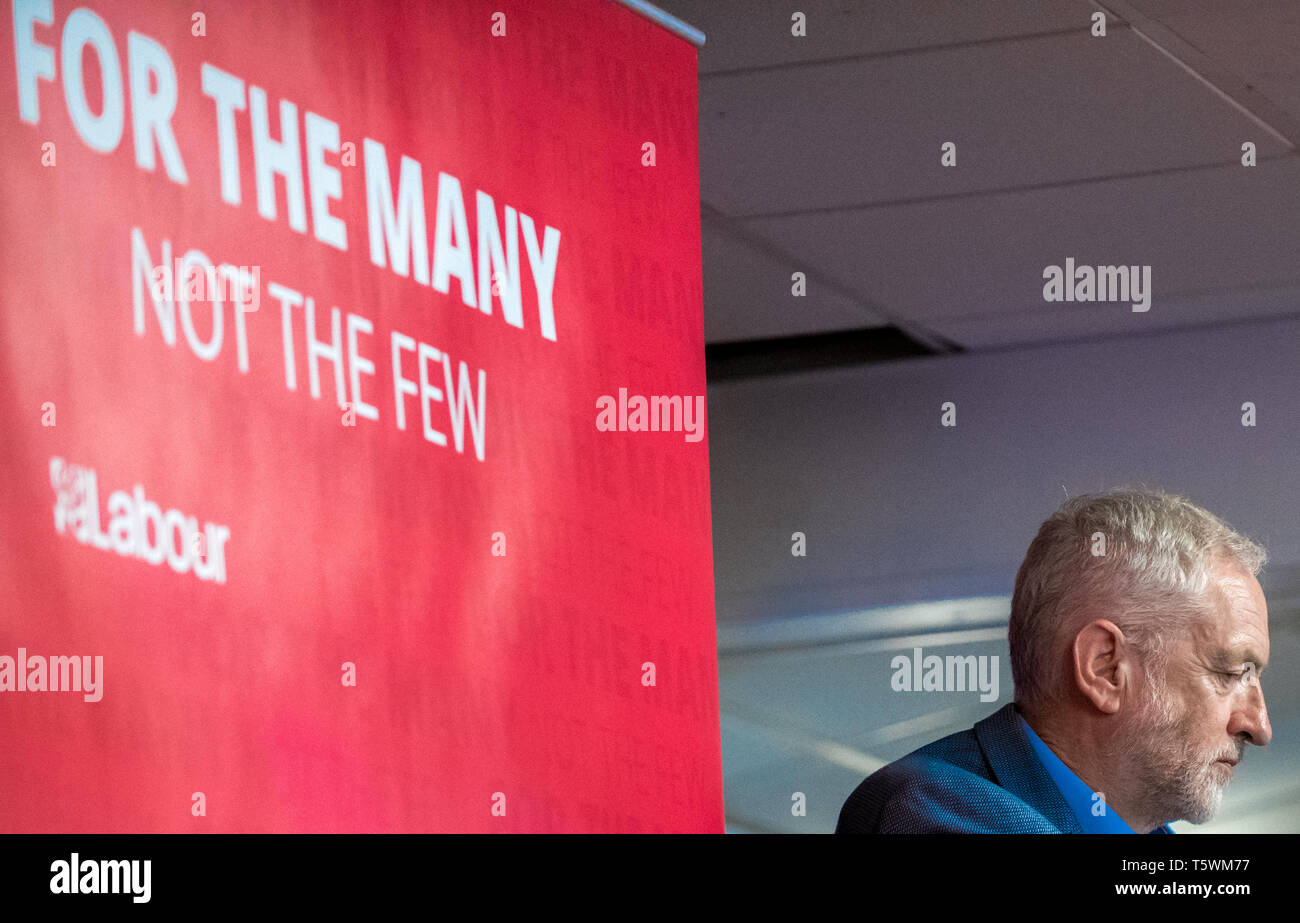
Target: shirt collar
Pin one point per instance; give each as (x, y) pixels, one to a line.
(1090, 807)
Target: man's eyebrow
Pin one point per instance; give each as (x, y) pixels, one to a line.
(1234, 656)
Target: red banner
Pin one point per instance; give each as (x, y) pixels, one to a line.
(355, 475)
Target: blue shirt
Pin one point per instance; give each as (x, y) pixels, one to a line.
(1077, 793)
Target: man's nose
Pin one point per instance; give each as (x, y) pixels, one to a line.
(1251, 717)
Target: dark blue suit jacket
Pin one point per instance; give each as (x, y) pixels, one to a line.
(985, 780)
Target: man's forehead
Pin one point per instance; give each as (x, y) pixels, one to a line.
(1238, 630)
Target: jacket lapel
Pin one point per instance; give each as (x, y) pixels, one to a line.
(1017, 769)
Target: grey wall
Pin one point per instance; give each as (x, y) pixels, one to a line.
(898, 508)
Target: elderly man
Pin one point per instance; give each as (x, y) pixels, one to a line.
(1138, 634)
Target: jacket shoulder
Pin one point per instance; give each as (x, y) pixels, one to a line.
(944, 787)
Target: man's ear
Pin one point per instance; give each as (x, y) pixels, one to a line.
(1102, 664)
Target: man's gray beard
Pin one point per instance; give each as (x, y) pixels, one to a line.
(1178, 781)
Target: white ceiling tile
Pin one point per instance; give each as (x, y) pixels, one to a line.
(747, 295)
(1258, 40)
(1083, 321)
(1028, 112)
(1221, 244)
(757, 33)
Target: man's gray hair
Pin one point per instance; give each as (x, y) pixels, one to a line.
(1139, 557)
